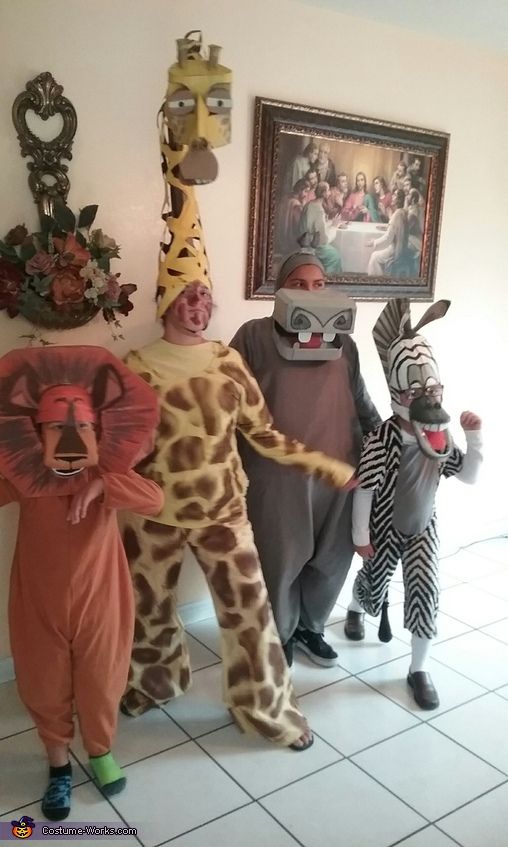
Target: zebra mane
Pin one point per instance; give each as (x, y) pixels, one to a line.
(394, 323)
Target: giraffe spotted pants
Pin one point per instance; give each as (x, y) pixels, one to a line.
(256, 680)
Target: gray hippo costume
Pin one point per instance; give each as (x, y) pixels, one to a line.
(308, 369)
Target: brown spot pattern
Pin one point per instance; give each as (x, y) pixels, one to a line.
(227, 397)
(202, 389)
(146, 655)
(249, 593)
(168, 425)
(156, 681)
(226, 498)
(191, 512)
(239, 376)
(247, 563)
(131, 544)
(238, 672)
(183, 490)
(229, 620)
(139, 631)
(220, 580)
(186, 454)
(175, 397)
(163, 613)
(165, 637)
(145, 596)
(155, 528)
(278, 663)
(172, 576)
(217, 539)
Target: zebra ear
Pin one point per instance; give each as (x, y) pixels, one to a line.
(433, 313)
(393, 322)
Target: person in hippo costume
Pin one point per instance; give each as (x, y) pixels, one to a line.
(307, 366)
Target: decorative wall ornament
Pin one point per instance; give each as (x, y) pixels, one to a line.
(58, 277)
(44, 96)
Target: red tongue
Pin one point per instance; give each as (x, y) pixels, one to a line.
(315, 341)
(436, 439)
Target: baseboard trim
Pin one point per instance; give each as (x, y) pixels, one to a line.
(193, 612)
(189, 613)
(6, 670)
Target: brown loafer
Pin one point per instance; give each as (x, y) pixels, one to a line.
(354, 628)
(423, 689)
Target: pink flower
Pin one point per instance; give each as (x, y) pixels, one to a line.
(67, 288)
(113, 289)
(70, 252)
(40, 265)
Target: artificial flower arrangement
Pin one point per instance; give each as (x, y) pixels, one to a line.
(60, 278)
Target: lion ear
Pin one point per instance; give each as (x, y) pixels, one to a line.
(107, 387)
(25, 390)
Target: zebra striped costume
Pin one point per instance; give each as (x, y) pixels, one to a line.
(378, 471)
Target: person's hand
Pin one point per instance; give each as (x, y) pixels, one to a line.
(365, 552)
(80, 502)
(468, 421)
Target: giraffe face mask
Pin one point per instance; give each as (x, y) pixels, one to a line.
(197, 109)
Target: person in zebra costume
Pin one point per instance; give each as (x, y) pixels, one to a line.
(401, 465)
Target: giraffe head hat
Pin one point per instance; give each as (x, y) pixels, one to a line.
(195, 117)
(412, 374)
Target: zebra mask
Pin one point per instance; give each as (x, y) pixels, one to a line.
(412, 374)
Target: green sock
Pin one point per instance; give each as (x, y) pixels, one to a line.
(108, 774)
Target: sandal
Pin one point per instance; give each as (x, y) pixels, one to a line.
(300, 747)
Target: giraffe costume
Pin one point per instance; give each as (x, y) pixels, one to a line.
(206, 394)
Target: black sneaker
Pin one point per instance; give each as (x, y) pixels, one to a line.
(316, 648)
(288, 651)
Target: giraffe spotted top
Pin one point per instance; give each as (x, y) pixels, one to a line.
(206, 393)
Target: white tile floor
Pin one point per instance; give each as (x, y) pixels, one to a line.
(381, 772)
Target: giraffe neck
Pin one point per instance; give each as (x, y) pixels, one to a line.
(183, 256)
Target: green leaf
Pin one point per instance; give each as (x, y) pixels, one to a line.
(103, 263)
(42, 286)
(7, 250)
(31, 299)
(64, 217)
(80, 238)
(27, 250)
(87, 216)
(48, 224)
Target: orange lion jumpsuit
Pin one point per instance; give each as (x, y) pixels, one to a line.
(71, 611)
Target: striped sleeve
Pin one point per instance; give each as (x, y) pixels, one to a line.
(453, 464)
(372, 462)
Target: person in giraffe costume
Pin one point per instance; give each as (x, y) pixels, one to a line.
(206, 394)
(401, 465)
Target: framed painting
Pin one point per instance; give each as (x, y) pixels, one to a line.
(366, 195)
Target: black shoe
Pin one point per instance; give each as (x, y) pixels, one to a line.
(288, 651)
(354, 628)
(423, 689)
(316, 648)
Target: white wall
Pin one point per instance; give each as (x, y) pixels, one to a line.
(111, 57)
